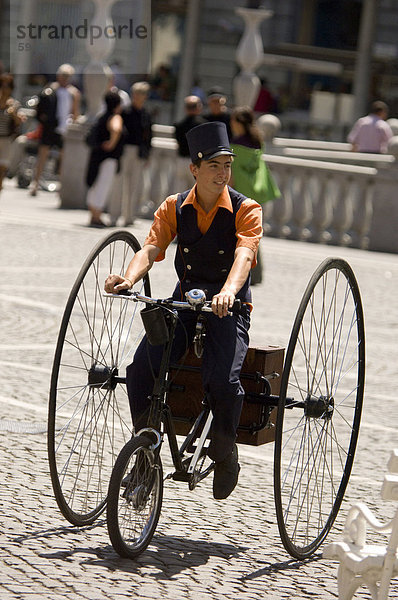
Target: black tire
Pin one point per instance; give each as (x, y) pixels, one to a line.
(134, 506)
(320, 408)
(89, 416)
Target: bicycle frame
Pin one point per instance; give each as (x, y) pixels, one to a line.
(160, 412)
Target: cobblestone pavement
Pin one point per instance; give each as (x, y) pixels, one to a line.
(203, 549)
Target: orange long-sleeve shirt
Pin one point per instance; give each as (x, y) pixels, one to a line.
(248, 221)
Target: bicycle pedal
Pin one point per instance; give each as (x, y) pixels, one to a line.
(181, 476)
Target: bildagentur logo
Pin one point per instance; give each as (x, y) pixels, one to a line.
(83, 31)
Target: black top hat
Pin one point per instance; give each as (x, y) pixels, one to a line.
(208, 140)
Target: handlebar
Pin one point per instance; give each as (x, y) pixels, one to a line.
(170, 303)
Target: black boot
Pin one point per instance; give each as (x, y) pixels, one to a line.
(226, 475)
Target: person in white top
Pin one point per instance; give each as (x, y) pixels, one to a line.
(58, 103)
(371, 133)
(10, 119)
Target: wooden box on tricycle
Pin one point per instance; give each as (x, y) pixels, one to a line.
(186, 394)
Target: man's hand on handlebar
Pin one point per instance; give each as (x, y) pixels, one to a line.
(222, 302)
(115, 284)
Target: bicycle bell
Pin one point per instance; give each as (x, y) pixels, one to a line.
(195, 297)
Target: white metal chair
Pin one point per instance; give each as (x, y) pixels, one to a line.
(363, 564)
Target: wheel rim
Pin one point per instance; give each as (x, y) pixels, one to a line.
(89, 416)
(320, 408)
(138, 504)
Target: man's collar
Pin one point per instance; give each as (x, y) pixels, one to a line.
(223, 201)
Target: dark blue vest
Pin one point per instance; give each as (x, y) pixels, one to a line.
(204, 261)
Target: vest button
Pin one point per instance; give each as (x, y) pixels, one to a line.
(224, 270)
(186, 249)
(221, 252)
(189, 267)
(187, 281)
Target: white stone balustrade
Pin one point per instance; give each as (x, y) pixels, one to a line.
(331, 202)
(361, 563)
(321, 201)
(279, 144)
(359, 158)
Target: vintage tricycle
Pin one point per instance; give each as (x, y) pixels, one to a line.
(308, 402)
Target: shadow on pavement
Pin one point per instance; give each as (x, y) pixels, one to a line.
(64, 530)
(290, 564)
(172, 556)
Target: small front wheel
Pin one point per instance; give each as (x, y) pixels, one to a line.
(134, 497)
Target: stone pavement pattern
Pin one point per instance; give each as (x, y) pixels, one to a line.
(202, 549)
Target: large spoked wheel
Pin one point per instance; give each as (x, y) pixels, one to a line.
(135, 497)
(89, 417)
(320, 408)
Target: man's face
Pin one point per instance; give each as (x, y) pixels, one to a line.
(216, 104)
(63, 80)
(213, 175)
(138, 99)
(193, 105)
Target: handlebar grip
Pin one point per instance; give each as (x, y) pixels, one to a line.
(235, 308)
(237, 305)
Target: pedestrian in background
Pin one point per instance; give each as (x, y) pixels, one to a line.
(250, 174)
(10, 120)
(58, 103)
(163, 84)
(372, 133)
(128, 184)
(124, 96)
(193, 109)
(217, 108)
(107, 147)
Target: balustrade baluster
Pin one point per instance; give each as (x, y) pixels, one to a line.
(282, 207)
(301, 207)
(267, 216)
(342, 210)
(363, 212)
(322, 207)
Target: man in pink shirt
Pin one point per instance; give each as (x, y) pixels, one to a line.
(372, 133)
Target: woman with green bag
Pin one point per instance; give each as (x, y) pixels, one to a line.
(250, 174)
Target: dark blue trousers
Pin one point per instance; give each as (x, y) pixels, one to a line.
(225, 349)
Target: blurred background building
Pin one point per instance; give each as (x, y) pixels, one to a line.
(194, 44)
